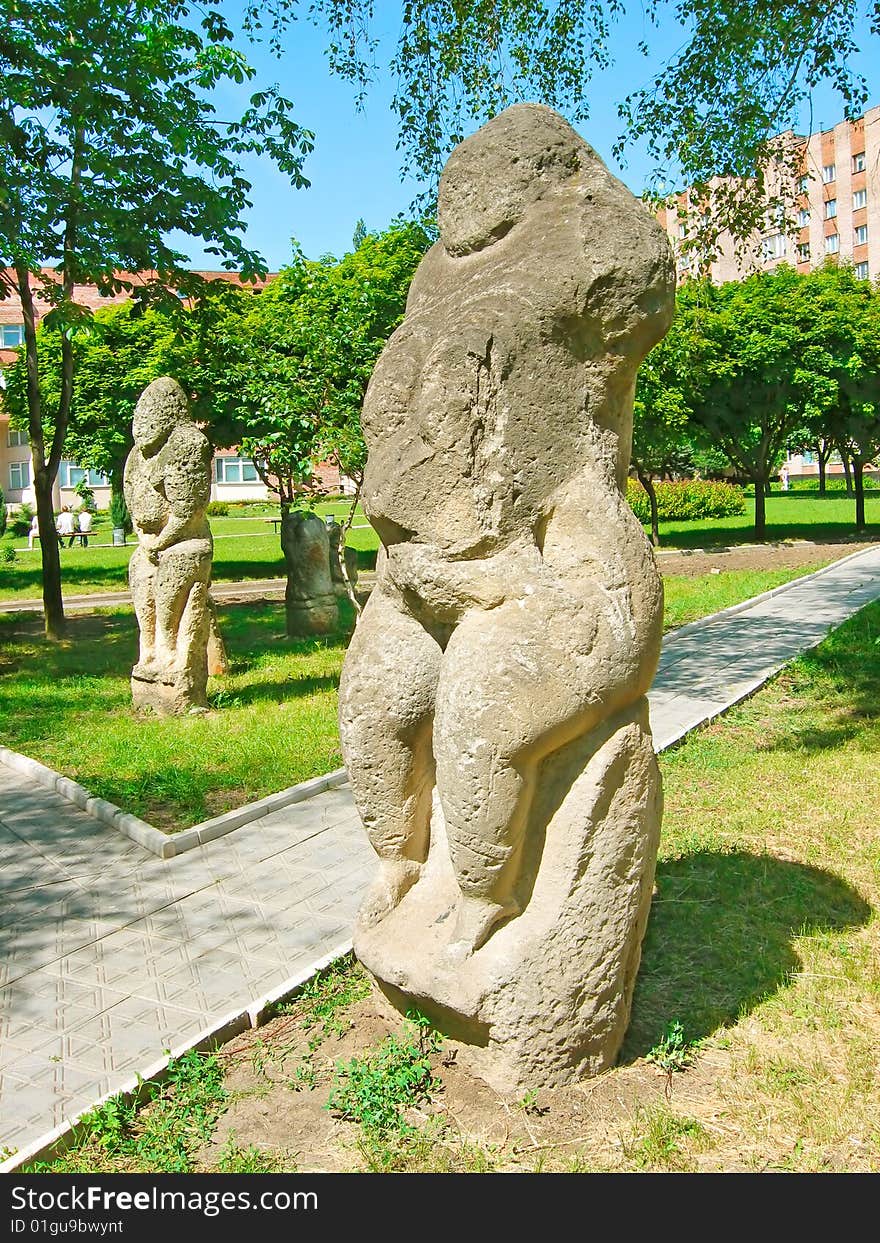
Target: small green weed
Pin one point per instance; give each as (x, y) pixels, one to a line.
(672, 1052)
(374, 1091)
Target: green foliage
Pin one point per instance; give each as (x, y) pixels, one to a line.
(217, 509)
(660, 1137)
(738, 75)
(86, 496)
(376, 1090)
(20, 522)
(163, 1135)
(293, 365)
(687, 500)
(8, 554)
(120, 518)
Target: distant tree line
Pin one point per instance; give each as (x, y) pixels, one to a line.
(750, 368)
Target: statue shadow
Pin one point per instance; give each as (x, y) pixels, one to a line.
(720, 939)
(283, 690)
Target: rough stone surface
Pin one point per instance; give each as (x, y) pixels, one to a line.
(167, 488)
(310, 599)
(492, 707)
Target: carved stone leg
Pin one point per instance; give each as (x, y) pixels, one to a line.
(386, 698)
(142, 583)
(176, 682)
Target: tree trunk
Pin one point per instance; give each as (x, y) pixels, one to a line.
(53, 604)
(823, 452)
(846, 469)
(648, 484)
(859, 482)
(340, 553)
(760, 512)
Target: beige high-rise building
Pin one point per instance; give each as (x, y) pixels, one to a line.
(836, 214)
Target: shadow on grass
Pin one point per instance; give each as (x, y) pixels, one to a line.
(730, 536)
(720, 937)
(276, 692)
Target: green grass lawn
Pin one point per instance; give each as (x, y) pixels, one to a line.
(756, 1019)
(246, 547)
(68, 705)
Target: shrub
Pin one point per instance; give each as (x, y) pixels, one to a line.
(22, 518)
(8, 554)
(2, 513)
(120, 518)
(86, 496)
(218, 509)
(687, 500)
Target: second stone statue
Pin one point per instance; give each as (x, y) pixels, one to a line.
(492, 705)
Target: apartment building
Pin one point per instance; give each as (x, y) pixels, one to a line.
(837, 212)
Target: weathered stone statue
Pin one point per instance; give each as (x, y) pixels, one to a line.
(310, 599)
(167, 487)
(492, 706)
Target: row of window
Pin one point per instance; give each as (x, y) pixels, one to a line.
(235, 470)
(226, 470)
(775, 246)
(859, 199)
(829, 172)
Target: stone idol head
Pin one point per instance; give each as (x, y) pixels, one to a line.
(161, 407)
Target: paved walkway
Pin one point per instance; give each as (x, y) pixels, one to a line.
(110, 956)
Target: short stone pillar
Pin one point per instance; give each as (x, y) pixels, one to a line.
(167, 486)
(492, 704)
(310, 599)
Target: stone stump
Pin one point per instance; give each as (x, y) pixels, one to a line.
(310, 599)
(492, 704)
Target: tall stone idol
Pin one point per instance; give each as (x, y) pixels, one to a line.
(167, 488)
(492, 707)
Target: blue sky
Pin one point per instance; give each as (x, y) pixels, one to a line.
(355, 167)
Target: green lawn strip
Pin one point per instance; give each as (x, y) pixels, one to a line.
(688, 598)
(793, 515)
(68, 705)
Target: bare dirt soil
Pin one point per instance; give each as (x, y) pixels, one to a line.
(771, 556)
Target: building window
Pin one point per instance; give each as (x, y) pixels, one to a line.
(682, 230)
(15, 439)
(859, 162)
(861, 235)
(803, 217)
(803, 185)
(829, 172)
(861, 270)
(860, 199)
(11, 336)
(803, 253)
(774, 246)
(235, 470)
(70, 476)
(19, 474)
(832, 243)
(831, 209)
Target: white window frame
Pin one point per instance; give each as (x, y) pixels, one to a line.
(804, 217)
(829, 173)
(862, 270)
(835, 248)
(17, 438)
(239, 464)
(858, 162)
(775, 246)
(11, 345)
(861, 232)
(830, 209)
(67, 469)
(803, 252)
(860, 199)
(804, 184)
(23, 471)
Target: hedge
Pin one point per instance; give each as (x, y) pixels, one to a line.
(687, 500)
